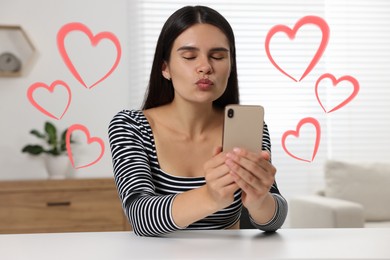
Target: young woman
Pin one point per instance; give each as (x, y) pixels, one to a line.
(169, 167)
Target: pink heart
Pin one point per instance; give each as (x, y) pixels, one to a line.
(50, 88)
(308, 120)
(335, 81)
(63, 32)
(78, 127)
(315, 20)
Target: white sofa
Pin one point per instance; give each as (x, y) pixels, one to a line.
(355, 195)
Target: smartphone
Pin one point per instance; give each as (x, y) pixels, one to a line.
(243, 127)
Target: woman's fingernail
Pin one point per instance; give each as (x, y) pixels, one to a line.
(236, 150)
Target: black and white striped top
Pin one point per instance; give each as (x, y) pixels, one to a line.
(147, 192)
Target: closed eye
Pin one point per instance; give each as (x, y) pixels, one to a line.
(189, 58)
(217, 57)
(219, 54)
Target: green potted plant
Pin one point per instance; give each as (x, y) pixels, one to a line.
(56, 159)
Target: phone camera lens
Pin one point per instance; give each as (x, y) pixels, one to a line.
(230, 113)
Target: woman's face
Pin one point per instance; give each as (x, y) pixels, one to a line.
(199, 64)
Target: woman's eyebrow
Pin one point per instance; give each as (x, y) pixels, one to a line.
(187, 48)
(218, 49)
(191, 48)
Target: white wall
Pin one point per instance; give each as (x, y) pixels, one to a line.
(93, 108)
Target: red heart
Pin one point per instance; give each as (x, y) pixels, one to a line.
(50, 88)
(78, 127)
(308, 120)
(63, 32)
(315, 20)
(335, 81)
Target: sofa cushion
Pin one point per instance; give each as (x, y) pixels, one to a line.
(366, 184)
(377, 224)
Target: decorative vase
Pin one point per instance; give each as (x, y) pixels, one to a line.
(58, 167)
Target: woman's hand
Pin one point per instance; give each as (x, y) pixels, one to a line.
(220, 184)
(216, 194)
(254, 174)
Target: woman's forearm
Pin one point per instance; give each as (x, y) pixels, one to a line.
(263, 221)
(264, 213)
(191, 206)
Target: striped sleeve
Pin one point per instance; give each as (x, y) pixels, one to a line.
(148, 213)
(280, 215)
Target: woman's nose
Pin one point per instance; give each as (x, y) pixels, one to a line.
(205, 67)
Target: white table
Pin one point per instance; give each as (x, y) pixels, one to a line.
(362, 243)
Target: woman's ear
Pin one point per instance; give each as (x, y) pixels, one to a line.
(165, 71)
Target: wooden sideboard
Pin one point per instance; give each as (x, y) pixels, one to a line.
(69, 205)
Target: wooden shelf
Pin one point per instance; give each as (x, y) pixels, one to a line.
(71, 205)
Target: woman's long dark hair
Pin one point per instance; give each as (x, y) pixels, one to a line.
(160, 90)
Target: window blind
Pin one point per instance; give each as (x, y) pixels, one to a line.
(358, 46)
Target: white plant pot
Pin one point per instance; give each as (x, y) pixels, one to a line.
(58, 167)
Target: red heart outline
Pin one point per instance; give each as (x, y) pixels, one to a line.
(67, 28)
(335, 81)
(78, 127)
(307, 120)
(53, 85)
(318, 21)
